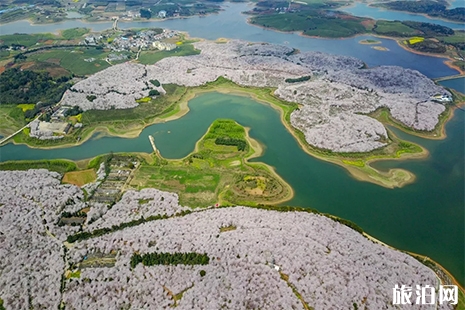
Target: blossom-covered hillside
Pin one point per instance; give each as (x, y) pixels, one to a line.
(258, 259)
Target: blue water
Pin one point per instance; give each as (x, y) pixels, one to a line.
(457, 84)
(456, 4)
(364, 10)
(230, 23)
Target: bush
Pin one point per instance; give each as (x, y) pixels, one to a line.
(151, 259)
(155, 83)
(74, 111)
(145, 13)
(91, 97)
(154, 92)
(297, 80)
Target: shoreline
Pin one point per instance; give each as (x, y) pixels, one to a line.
(85, 21)
(415, 256)
(450, 110)
(356, 172)
(412, 254)
(447, 59)
(447, 62)
(369, 4)
(366, 173)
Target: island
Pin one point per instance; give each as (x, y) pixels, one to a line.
(148, 251)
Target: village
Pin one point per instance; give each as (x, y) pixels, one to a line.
(132, 41)
(55, 122)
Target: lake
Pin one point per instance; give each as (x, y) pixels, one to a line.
(364, 10)
(457, 84)
(230, 23)
(425, 217)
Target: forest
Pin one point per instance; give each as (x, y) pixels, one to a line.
(151, 259)
(432, 8)
(429, 46)
(429, 29)
(23, 86)
(241, 144)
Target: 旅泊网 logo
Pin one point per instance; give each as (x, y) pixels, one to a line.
(424, 295)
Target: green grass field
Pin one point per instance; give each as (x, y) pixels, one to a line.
(457, 38)
(11, 119)
(283, 22)
(335, 28)
(312, 24)
(74, 60)
(79, 178)
(151, 57)
(393, 28)
(26, 39)
(74, 33)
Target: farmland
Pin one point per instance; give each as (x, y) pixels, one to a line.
(151, 57)
(11, 119)
(79, 61)
(27, 40)
(79, 178)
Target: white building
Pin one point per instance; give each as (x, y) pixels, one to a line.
(162, 14)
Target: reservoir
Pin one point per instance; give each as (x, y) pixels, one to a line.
(457, 84)
(425, 217)
(230, 23)
(364, 10)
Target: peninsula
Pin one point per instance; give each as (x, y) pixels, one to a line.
(147, 251)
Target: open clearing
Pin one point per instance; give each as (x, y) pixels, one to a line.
(79, 178)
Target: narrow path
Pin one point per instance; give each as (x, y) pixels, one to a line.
(450, 77)
(19, 130)
(13, 134)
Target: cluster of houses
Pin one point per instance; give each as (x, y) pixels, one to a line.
(142, 40)
(119, 174)
(56, 128)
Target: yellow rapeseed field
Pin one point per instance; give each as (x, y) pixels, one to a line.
(26, 106)
(415, 40)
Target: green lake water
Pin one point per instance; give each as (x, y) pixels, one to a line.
(426, 217)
